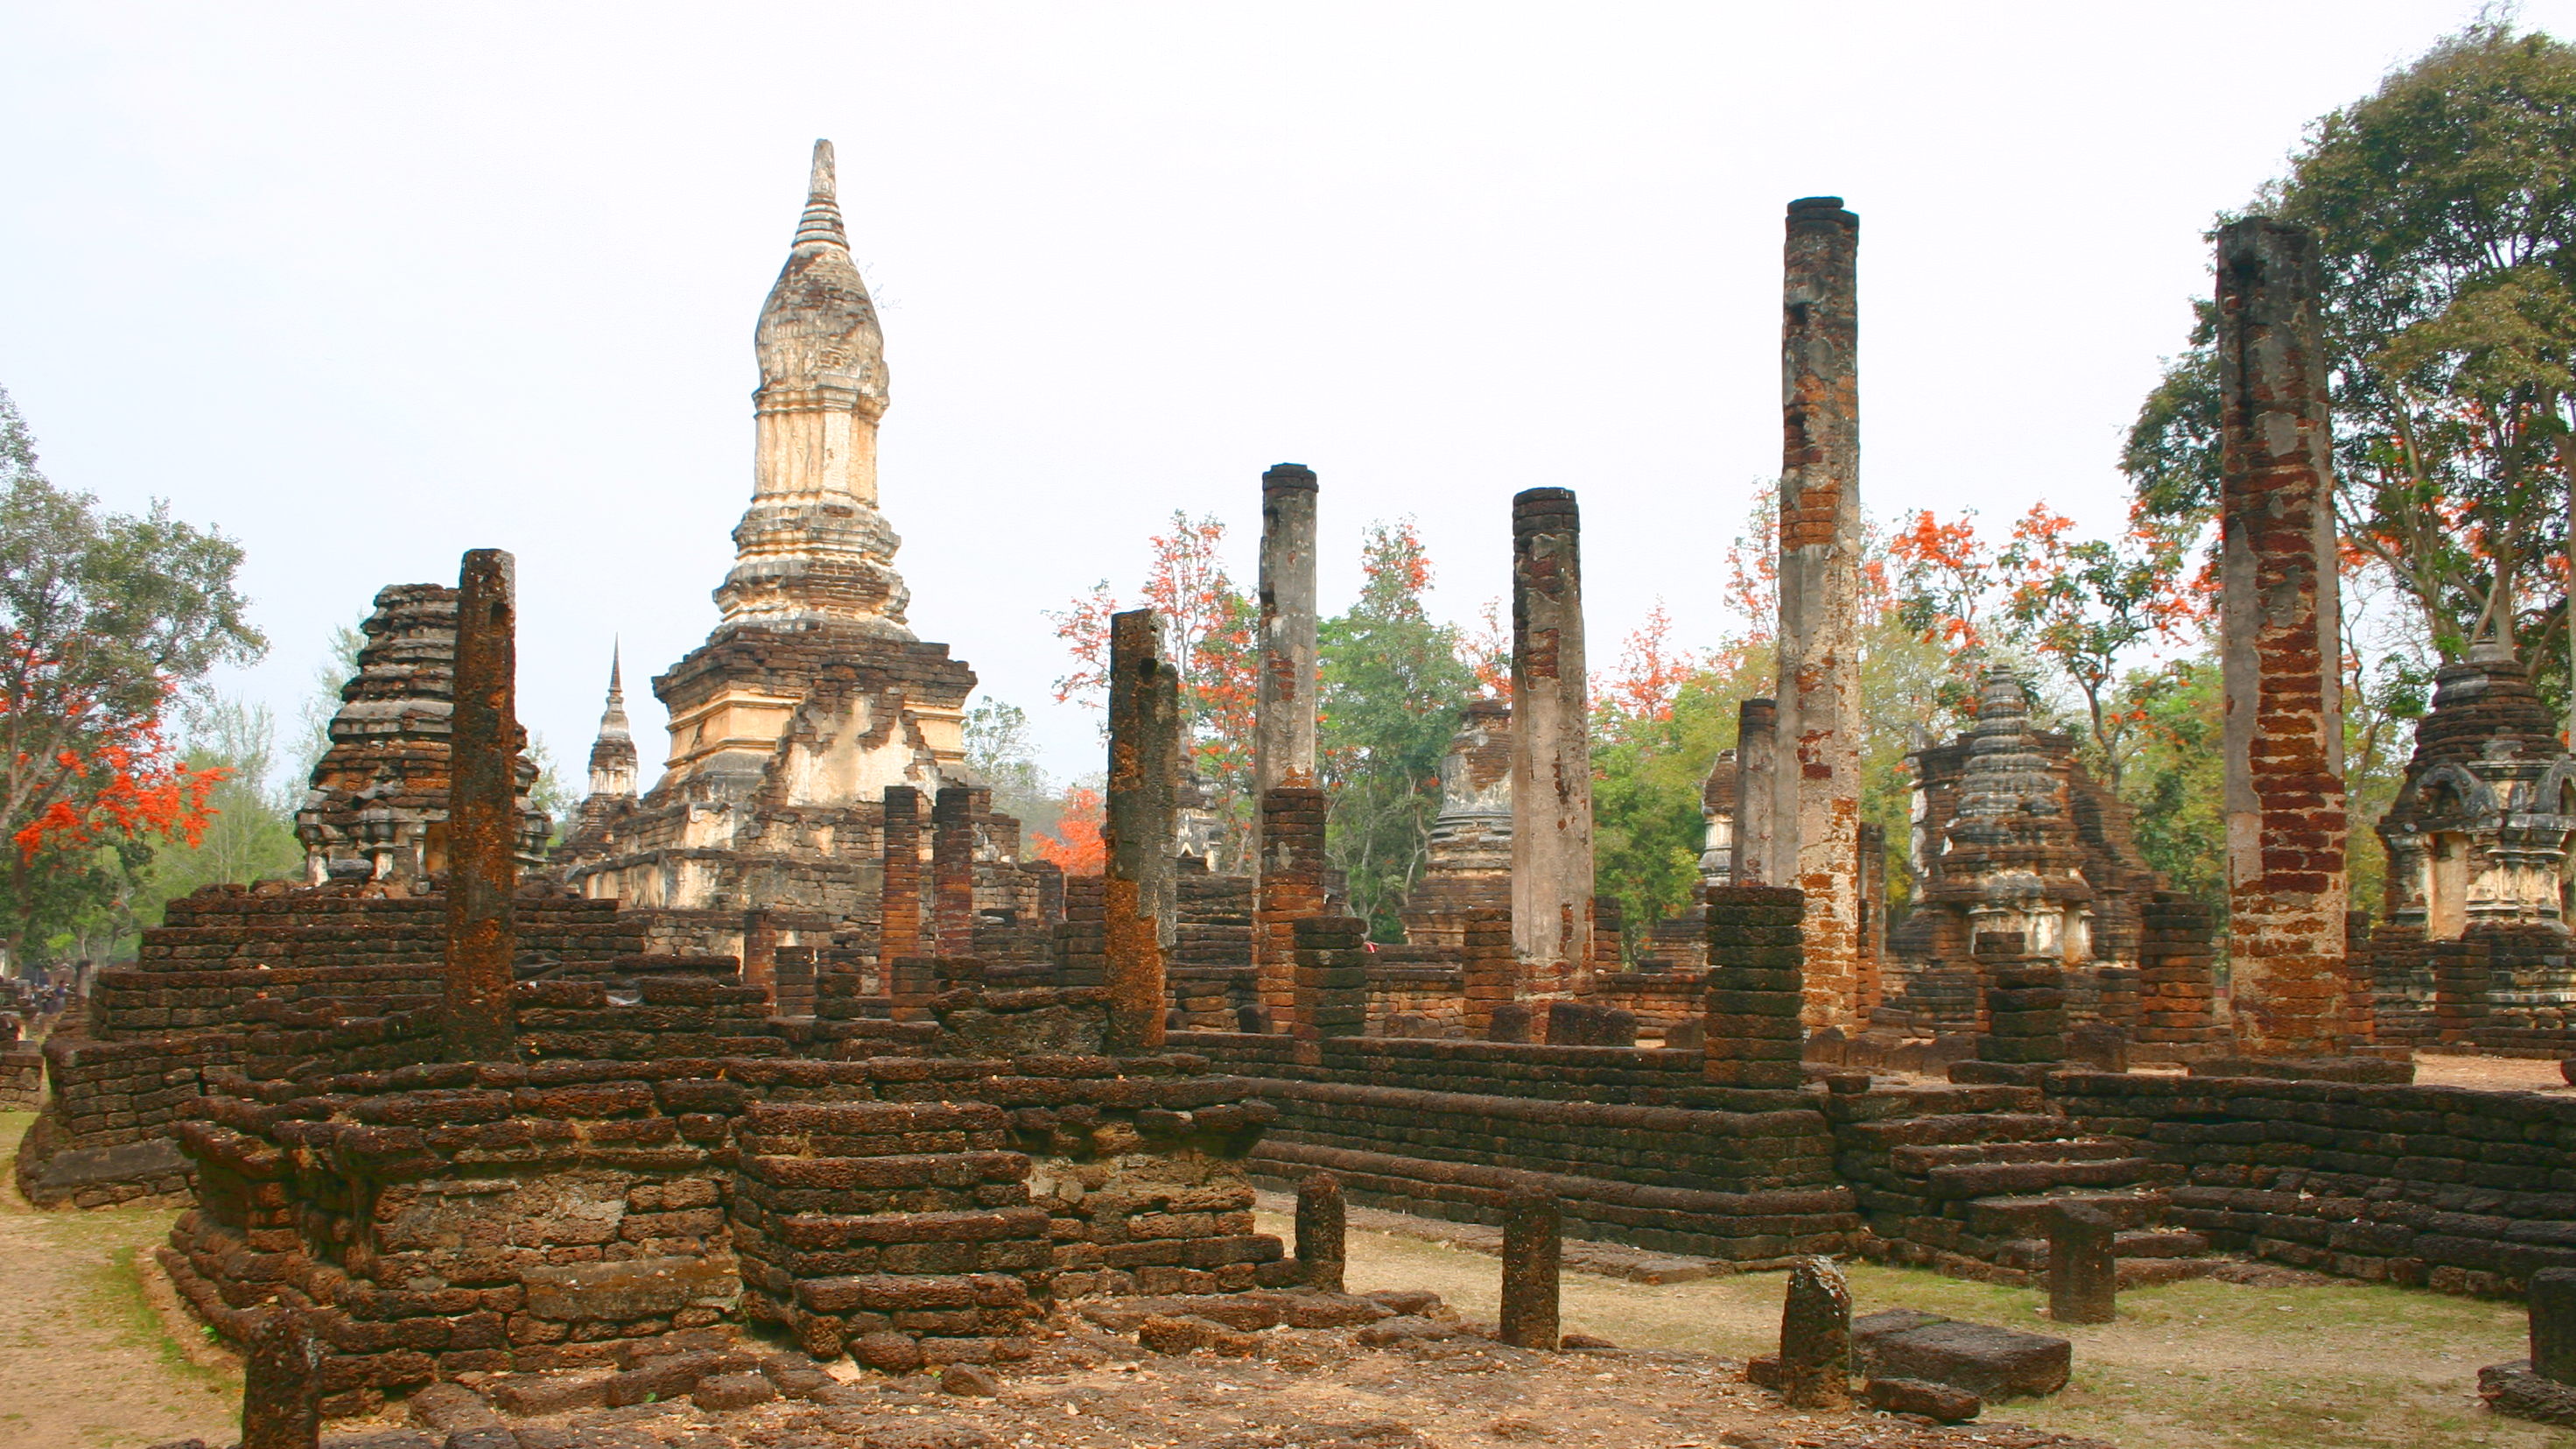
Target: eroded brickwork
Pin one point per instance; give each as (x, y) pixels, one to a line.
(1815, 821)
(1551, 874)
(2279, 642)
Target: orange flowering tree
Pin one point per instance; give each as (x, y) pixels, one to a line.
(1075, 844)
(1212, 624)
(103, 619)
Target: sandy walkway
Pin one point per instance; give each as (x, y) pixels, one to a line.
(83, 1359)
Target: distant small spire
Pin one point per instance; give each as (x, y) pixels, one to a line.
(822, 219)
(612, 720)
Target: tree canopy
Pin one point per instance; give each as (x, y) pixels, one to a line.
(104, 619)
(2444, 206)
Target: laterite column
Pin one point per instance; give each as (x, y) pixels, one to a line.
(2279, 643)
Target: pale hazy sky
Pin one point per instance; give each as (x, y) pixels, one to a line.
(366, 286)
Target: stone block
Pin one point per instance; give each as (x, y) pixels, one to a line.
(1992, 1363)
(629, 1289)
(1944, 1402)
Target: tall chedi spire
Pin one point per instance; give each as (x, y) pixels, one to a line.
(612, 755)
(812, 546)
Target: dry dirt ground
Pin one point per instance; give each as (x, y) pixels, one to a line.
(2204, 1365)
(84, 1361)
(2495, 1074)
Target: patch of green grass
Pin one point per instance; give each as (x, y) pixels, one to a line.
(13, 1125)
(116, 1290)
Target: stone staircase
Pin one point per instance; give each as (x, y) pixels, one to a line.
(1964, 1180)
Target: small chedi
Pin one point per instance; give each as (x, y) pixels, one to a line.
(791, 1041)
(2013, 837)
(2473, 948)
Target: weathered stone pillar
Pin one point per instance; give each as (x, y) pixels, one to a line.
(1323, 1233)
(1757, 838)
(2083, 1271)
(483, 812)
(1283, 740)
(2282, 657)
(281, 1383)
(1816, 782)
(1289, 889)
(1141, 892)
(1532, 1245)
(899, 933)
(1551, 744)
(953, 813)
(1815, 1337)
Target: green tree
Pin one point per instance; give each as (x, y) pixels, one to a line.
(322, 703)
(1001, 753)
(2444, 206)
(104, 618)
(2174, 778)
(1394, 687)
(250, 834)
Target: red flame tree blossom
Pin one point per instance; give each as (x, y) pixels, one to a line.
(103, 619)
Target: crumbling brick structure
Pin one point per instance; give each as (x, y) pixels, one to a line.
(2013, 836)
(377, 806)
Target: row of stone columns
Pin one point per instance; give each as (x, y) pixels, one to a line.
(1798, 753)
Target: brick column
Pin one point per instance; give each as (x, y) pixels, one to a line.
(1551, 742)
(1752, 1036)
(1283, 739)
(1488, 973)
(1081, 937)
(2278, 642)
(953, 813)
(2026, 1019)
(1757, 788)
(1816, 789)
(899, 902)
(1141, 892)
(2463, 975)
(1331, 991)
(483, 812)
(1291, 889)
(2177, 977)
(760, 953)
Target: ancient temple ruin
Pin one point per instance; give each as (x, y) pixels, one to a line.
(812, 696)
(792, 1042)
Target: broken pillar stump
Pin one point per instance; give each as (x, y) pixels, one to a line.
(1532, 1245)
(2553, 1324)
(2083, 1271)
(2543, 1388)
(1815, 1337)
(1322, 1231)
(281, 1383)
